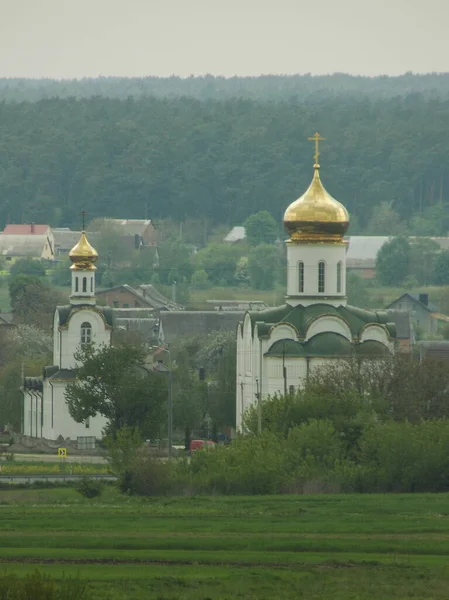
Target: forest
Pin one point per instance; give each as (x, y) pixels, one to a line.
(219, 158)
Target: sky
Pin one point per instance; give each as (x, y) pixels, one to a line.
(65, 39)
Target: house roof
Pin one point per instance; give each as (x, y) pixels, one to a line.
(365, 247)
(156, 299)
(434, 350)
(132, 226)
(23, 245)
(26, 229)
(301, 318)
(236, 234)
(174, 324)
(129, 289)
(430, 306)
(65, 238)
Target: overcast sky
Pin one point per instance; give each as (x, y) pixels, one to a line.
(88, 38)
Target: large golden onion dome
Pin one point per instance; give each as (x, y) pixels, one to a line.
(316, 216)
(83, 255)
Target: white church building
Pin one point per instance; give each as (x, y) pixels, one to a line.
(278, 348)
(45, 411)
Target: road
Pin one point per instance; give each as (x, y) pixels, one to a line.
(16, 479)
(70, 458)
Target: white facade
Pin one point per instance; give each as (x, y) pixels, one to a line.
(316, 272)
(45, 411)
(277, 349)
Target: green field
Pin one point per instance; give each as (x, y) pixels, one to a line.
(311, 547)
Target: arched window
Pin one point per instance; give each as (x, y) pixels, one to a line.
(76, 284)
(91, 284)
(321, 276)
(84, 284)
(339, 278)
(300, 277)
(86, 333)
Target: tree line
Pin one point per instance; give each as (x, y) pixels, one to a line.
(207, 87)
(219, 161)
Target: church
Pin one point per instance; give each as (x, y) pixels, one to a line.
(279, 347)
(45, 412)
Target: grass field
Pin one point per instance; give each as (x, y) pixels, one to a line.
(311, 547)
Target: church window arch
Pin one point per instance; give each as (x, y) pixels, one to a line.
(76, 284)
(84, 284)
(86, 333)
(321, 276)
(91, 284)
(300, 277)
(339, 269)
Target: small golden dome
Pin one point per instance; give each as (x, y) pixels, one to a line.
(83, 255)
(316, 216)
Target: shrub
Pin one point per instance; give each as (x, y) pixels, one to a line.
(38, 586)
(147, 476)
(89, 488)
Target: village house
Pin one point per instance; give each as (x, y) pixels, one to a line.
(27, 241)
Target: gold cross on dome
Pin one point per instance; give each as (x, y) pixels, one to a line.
(317, 139)
(83, 214)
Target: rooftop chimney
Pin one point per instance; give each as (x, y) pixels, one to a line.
(424, 299)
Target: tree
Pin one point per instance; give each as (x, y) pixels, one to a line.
(115, 382)
(110, 244)
(261, 228)
(220, 262)
(263, 266)
(440, 274)
(32, 301)
(384, 221)
(424, 254)
(174, 262)
(27, 266)
(393, 261)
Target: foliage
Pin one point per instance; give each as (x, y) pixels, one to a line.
(174, 262)
(89, 488)
(441, 268)
(40, 586)
(114, 382)
(357, 290)
(27, 266)
(393, 261)
(200, 280)
(193, 399)
(424, 255)
(220, 262)
(263, 266)
(221, 155)
(261, 228)
(122, 448)
(32, 301)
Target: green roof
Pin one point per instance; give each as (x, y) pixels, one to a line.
(326, 344)
(65, 313)
(301, 318)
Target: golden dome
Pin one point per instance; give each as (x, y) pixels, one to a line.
(83, 255)
(316, 216)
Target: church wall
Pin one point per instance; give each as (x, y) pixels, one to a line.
(71, 336)
(32, 413)
(63, 424)
(329, 324)
(311, 255)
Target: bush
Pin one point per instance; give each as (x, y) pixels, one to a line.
(38, 586)
(89, 488)
(147, 476)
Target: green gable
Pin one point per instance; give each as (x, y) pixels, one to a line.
(301, 317)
